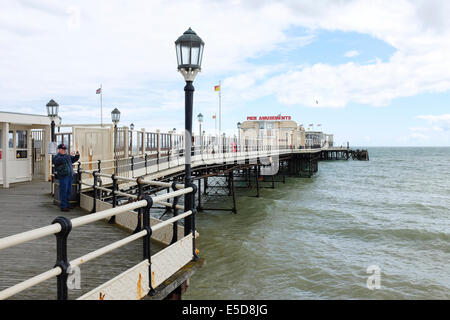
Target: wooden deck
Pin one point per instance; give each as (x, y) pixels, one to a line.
(25, 206)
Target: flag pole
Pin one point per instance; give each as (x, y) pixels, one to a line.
(101, 105)
(220, 108)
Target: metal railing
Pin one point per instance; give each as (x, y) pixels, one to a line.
(62, 226)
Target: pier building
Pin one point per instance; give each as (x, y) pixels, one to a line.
(275, 130)
(24, 147)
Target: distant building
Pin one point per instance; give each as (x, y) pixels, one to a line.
(318, 139)
(282, 131)
(273, 130)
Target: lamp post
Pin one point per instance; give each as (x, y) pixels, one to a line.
(189, 50)
(131, 138)
(52, 112)
(200, 120)
(174, 131)
(239, 135)
(115, 117)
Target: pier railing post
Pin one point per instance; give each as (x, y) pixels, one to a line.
(140, 196)
(147, 241)
(192, 218)
(112, 220)
(175, 213)
(79, 183)
(146, 163)
(94, 186)
(61, 256)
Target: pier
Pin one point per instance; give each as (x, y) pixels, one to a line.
(135, 199)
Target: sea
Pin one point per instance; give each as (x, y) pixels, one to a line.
(377, 229)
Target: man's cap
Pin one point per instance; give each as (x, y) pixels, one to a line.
(62, 146)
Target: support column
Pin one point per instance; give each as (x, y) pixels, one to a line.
(257, 181)
(5, 151)
(232, 190)
(45, 141)
(199, 206)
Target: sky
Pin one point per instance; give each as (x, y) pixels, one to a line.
(374, 73)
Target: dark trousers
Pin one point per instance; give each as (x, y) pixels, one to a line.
(65, 190)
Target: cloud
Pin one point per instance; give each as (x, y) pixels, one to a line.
(420, 63)
(439, 123)
(351, 54)
(53, 49)
(436, 118)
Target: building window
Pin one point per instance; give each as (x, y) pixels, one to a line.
(21, 144)
(21, 139)
(11, 139)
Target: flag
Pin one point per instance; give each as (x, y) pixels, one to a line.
(216, 88)
(99, 90)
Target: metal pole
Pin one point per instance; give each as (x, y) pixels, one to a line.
(53, 137)
(201, 140)
(188, 198)
(147, 241)
(101, 105)
(239, 140)
(61, 256)
(115, 149)
(220, 108)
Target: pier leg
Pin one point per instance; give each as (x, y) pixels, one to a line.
(257, 181)
(199, 206)
(232, 190)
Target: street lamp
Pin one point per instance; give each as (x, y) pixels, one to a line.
(174, 131)
(115, 117)
(132, 126)
(189, 50)
(239, 135)
(52, 112)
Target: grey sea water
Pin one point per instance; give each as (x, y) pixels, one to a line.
(315, 238)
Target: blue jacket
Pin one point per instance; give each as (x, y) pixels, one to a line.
(60, 159)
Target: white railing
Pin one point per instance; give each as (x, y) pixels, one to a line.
(61, 227)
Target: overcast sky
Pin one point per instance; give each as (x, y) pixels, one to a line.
(371, 72)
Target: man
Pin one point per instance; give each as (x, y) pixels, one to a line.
(64, 171)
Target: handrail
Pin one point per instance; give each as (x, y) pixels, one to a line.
(57, 227)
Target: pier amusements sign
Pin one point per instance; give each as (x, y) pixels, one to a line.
(269, 118)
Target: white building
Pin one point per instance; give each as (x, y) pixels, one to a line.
(24, 142)
(273, 130)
